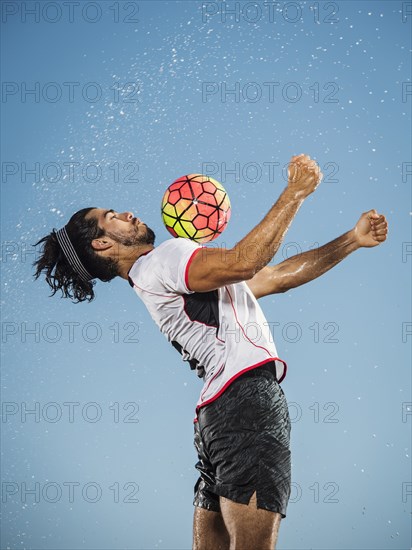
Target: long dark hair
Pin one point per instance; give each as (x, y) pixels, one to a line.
(81, 232)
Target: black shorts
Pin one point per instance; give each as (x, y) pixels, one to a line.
(242, 440)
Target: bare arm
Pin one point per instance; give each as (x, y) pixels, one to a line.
(213, 268)
(370, 231)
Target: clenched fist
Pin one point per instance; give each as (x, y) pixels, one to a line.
(304, 175)
(371, 229)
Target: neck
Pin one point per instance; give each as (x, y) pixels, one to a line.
(126, 263)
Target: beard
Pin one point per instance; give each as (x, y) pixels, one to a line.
(138, 238)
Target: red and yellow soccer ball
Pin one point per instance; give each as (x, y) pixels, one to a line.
(196, 207)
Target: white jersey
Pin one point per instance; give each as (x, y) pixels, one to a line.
(221, 333)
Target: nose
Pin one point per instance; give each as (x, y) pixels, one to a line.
(128, 216)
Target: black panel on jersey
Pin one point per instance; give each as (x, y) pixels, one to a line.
(194, 363)
(203, 307)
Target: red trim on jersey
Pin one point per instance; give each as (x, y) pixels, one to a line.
(219, 393)
(222, 366)
(188, 264)
(244, 333)
(286, 368)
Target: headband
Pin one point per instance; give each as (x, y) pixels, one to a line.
(71, 255)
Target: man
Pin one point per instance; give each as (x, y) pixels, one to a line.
(204, 300)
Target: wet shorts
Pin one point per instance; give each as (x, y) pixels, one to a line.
(242, 441)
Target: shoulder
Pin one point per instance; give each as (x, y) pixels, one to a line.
(171, 255)
(175, 253)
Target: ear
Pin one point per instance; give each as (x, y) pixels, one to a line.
(104, 243)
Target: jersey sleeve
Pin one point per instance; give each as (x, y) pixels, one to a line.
(177, 255)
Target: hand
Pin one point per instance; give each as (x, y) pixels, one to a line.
(371, 229)
(304, 175)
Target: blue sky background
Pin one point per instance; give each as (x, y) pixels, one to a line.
(344, 336)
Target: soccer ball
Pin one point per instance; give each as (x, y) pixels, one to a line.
(196, 207)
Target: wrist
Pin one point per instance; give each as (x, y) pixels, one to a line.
(354, 238)
(298, 195)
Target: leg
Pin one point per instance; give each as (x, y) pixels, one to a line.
(243, 445)
(248, 526)
(209, 531)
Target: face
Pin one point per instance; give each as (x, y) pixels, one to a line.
(123, 228)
